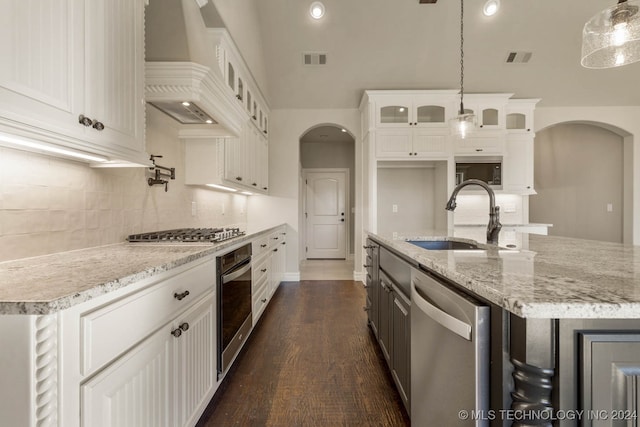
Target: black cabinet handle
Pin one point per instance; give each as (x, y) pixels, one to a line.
(367, 265)
(181, 296)
(255, 184)
(83, 120)
(263, 300)
(98, 126)
(275, 250)
(176, 332)
(184, 326)
(263, 245)
(264, 270)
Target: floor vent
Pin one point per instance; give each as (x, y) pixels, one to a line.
(518, 57)
(314, 58)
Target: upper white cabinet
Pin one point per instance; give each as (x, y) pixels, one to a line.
(237, 163)
(519, 115)
(239, 80)
(411, 143)
(401, 108)
(518, 165)
(72, 75)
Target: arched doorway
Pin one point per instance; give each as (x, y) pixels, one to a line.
(580, 181)
(327, 161)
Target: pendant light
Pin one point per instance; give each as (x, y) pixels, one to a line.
(611, 38)
(463, 122)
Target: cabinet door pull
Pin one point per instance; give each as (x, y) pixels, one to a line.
(275, 250)
(176, 332)
(478, 149)
(181, 296)
(98, 126)
(367, 265)
(238, 178)
(264, 270)
(263, 245)
(83, 120)
(263, 300)
(184, 326)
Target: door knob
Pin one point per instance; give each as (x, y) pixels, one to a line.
(342, 219)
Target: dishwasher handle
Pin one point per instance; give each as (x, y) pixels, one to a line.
(453, 324)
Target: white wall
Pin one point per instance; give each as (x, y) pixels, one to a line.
(51, 205)
(282, 205)
(624, 121)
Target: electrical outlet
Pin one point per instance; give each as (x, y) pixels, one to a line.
(394, 208)
(194, 209)
(509, 208)
(395, 235)
(609, 207)
(222, 208)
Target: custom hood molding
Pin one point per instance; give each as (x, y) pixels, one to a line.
(183, 75)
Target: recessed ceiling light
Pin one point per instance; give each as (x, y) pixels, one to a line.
(401, 109)
(316, 10)
(491, 7)
(186, 104)
(209, 121)
(343, 130)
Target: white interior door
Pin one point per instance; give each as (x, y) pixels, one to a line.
(325, 215)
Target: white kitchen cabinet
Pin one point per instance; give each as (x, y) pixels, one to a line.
(195, 360)
(240, 163)
(420, 109)
(73, 60)
(269, 254)
(518, 165)
(480, 144)
(139, 390)
(411, 143)
(489, 110)
(519, 116)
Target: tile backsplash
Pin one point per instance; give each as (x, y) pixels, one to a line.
(49, 204)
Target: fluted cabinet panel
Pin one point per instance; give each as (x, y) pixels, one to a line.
(136, 390)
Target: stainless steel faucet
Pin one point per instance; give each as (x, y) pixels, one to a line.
(494, 226)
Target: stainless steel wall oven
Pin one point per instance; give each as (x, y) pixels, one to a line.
(234, 304)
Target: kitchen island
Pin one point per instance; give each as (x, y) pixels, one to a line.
(565, 320)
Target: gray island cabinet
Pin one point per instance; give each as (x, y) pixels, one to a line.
(563, 343)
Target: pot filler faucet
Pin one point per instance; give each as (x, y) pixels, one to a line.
(494, 226)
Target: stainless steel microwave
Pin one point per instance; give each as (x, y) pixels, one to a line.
(487, 169)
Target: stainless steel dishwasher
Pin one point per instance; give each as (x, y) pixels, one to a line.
(449, 355)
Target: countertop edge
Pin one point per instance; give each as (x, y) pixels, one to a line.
(53, 306)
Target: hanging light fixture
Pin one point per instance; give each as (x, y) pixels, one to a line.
(611, 38)
(463, 122)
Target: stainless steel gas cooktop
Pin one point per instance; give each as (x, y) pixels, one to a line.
(188, 235)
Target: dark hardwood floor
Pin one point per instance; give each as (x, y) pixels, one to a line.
(311, 361)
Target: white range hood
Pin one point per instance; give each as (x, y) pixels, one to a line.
(184, 77)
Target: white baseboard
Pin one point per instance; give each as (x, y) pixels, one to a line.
(291, 276)
(359, 276)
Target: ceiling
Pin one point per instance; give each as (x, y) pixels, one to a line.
(401, 44)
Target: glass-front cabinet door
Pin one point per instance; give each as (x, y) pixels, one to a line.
(394, 111)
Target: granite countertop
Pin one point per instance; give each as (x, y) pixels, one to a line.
(547, 277)
(49, 283)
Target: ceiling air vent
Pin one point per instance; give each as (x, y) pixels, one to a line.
(314, 58)
(518, 57)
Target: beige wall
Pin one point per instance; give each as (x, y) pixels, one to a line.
(624, 122)
(51, 205)
(578, 172)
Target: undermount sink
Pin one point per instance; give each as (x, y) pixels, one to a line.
(440, 245)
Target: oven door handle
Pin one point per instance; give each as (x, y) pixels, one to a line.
(233, 275)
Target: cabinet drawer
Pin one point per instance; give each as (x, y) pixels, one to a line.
(260, 273)
(109, 330)
(259, 246)
(275, 238)
(259, 303)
